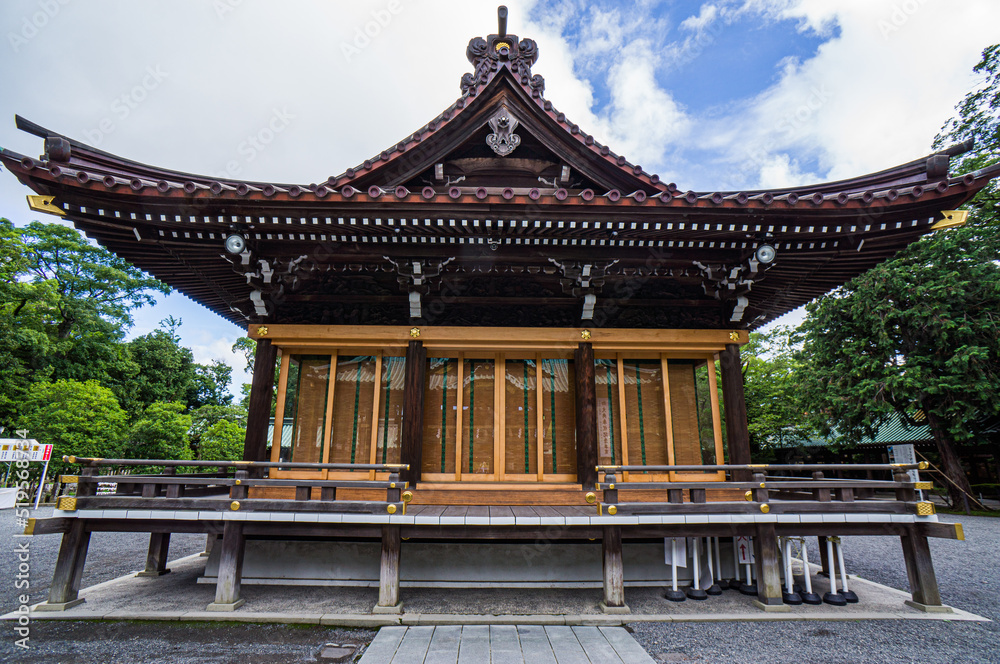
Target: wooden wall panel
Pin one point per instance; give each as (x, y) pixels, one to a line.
(645, 413)
(310, 409)
(684, 413)
(440, 413)
(390, 412)
(520, 451)
(558, 417)
(609, 435)
(478, 411)
(354, 393)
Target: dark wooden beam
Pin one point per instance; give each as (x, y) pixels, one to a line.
(766, 558)
(737, 433)
(388, 589)
(411, 444)
(227, 588)
(259, 415)
(65, 589)
(920, 569)
(586, 417)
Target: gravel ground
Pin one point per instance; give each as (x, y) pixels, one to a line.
(111, 555)
(966, 572)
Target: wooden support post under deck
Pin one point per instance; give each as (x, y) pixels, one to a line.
(156, 556)
(227, 588)
(388, 587)
(920, 570)
(255, 443)
(411, 443)
(614, 574)
(738, 434)
(65, 589)
(768, 563)
(586, 417)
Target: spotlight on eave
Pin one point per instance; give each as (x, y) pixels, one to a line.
(765, 254)
(236, 244)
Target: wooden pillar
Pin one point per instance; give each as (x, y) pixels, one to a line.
(388, 587)
(65, 589)
(768, 565)
(920, 570)
(412, 440)
(227, 588)
(737, 433)
(614, 574)
(156, 556)
(587, 456)
(259, 415)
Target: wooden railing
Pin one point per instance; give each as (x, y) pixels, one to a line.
(765, 493)
(228, 488)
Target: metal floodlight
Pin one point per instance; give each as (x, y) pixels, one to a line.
(765, 254)
(236, 244)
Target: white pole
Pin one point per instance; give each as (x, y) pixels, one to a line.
(805, 568)
(830, 563)
(697, 563)
(789, 577)
(840, 564)
(41, 484)
(673, 562)
(736, 562)
(718, 558)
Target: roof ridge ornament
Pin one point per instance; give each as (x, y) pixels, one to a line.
(503, 140)
(502, 50)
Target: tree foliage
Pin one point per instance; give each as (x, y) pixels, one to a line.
(223, 441)
(161, 433)
(80, 418)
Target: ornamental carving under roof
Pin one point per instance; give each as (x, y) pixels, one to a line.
(502, 50)
(503, 140)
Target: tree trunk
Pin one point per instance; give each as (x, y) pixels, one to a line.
(950, 462)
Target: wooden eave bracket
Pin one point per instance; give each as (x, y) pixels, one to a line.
(951, 219)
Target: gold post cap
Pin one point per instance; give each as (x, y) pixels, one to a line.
(235, 505)
(612, 509)
(391, 508)
(765, 508)
(591, 497)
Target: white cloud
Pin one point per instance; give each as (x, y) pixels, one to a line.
(706, 15)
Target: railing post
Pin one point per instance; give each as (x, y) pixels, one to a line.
(920, 571)
(173, 490)
(88, 487)
(760, 492)
(65, 589)
(822, 495)
(388, 588)
(227, 587)
(239, 490)
(906, 494)
(610, 494)
(393, 492)
(614, 574)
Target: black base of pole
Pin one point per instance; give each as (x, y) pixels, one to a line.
(733, 584)
(714, 589)
(834, 599)
(675, 596)
(810, 598)
(797, 588)
(791, 598)
(722, 584)
(697, 593)
(850, 596)
(748, 588)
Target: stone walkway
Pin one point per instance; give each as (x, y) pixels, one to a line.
(504, 644)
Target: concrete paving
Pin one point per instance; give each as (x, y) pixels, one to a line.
(179, 596)
(505, 644)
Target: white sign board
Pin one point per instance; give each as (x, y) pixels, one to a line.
(18, 449)
(904, 454)
(604, 425)
(744, 550)
(678, 544)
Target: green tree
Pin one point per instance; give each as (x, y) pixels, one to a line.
(166, 369)
(77, 418)
(211, 384)
(223, 441)
(775, 414)
(160, 433)
(203, 418)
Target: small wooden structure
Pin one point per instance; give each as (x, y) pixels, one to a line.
(498, 309)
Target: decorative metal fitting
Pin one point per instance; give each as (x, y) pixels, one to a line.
(734, 336)
(591, 497)
(235, 505)
(414, 332)
(29, 528)
(69, 459)
(66, 503)
(765, 508)
(762, 485)
(925, 508)
(73, 479)
(392, 485)
(924, 486)
(407, 496)
(391, 509)
(611, 486)
(923, 465)
(748, 495)
(612, 510)
(262, 331)
(585, 335)
(239, 482)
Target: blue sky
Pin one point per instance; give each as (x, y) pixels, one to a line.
(721, 95)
